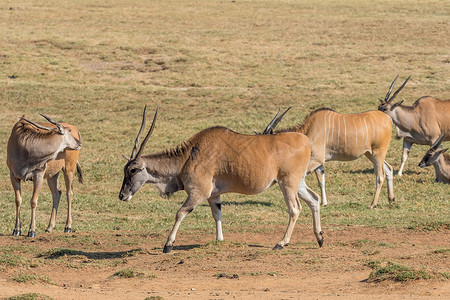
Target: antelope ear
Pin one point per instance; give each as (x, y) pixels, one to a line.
(443, 150)
(396, 104)
(125, 157)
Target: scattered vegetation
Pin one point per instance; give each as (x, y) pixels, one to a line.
(33, 279)
(131, 273)
(395, 272)
(30, 296)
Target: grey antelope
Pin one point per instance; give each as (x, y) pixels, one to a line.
(216, 161)
(344, 137)
(421, 123)
(38, 151)
(440, 160)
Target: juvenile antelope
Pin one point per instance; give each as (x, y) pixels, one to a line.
(344, 137)
(38, 151)
(440, 160)
(216, 161)
(422, 123)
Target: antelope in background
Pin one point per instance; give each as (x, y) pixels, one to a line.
(422, 123)
(345, 137)
(38, 151)
(440, 160)
(216, 161)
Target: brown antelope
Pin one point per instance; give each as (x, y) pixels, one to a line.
(437, 157)
(344, 137)
(421, 123)
(38, 151)
(216, 161)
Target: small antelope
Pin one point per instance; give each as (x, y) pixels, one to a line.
(440, 160)
(216, 161)
(421, 123)
(344, 137)
(39, 151)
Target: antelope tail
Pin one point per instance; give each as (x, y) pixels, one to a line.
(79, 173)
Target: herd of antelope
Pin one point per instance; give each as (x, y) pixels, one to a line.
(218, 160)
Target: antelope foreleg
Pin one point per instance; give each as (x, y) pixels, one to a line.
(38, 179)
(312, 200)
(320, 174)
(18, 199)
(216, 209)
(406, 148)
(56, 196)
(189, 205)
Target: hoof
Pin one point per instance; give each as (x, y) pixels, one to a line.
(167, 249)
(67, 230)
(321, 240)
(16, 232)
(31, 234)
(372, 207)
(392, 201)
(278, 247)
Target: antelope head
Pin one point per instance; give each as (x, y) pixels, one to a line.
(433, 153)
(68, 140)
(135, 171)
(386, 105)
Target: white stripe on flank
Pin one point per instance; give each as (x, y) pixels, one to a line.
(356, 131)
(345, 133)
(332, 129)
(325, 135)
(339, 129)
(367, 131)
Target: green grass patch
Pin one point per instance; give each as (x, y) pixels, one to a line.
(395, 272)
(30, 296)
(33, 279)
(132, 273)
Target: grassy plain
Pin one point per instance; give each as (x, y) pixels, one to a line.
(206, 63)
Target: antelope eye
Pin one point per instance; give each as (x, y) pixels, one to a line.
(133, 171)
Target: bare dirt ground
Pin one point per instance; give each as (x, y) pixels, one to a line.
(243, 267)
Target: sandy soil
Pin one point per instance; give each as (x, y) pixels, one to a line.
(243, 267)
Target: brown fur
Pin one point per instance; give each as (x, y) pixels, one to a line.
(422, 123)
(30, 157)
(218, 160)
(344, 137)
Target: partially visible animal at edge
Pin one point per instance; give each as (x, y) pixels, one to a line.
(344, 137)
(440, 160)
(38, 151)
(421, 123)
(216, 161)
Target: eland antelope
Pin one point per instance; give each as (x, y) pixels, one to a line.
(38, 151)
(422, 123)
(344, 137)
(440, 160)
(216, 161)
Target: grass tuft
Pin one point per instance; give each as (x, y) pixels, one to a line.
(30, 296)
(396, 272)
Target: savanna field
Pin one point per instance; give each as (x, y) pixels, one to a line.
(229, 63)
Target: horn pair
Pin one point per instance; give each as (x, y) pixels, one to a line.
(136, 153)
(386, 99)
(59, 127)
(439, 140)
(269, 129)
